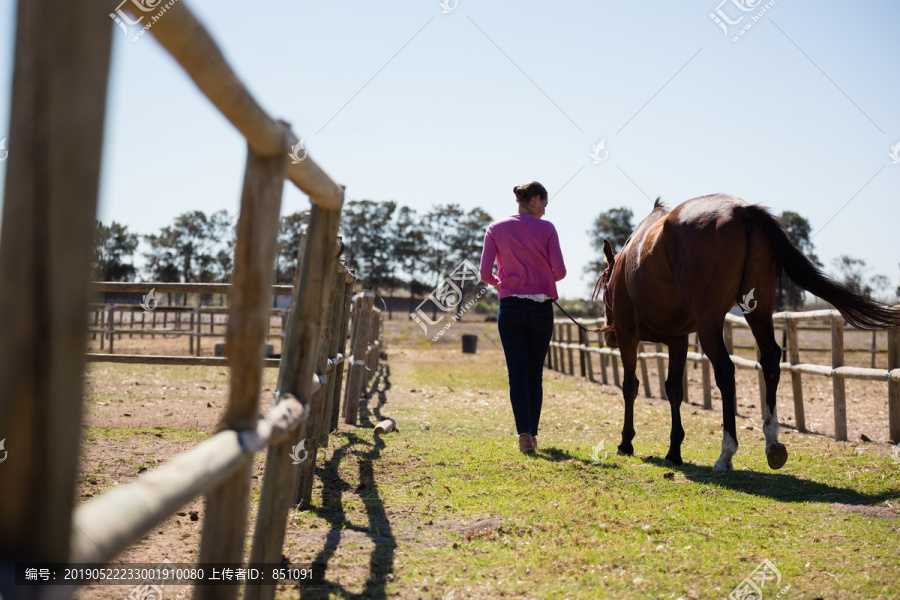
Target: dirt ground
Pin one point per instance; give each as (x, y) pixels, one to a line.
(138, 416)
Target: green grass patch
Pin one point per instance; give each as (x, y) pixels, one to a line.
(449, 504)
(92, 433)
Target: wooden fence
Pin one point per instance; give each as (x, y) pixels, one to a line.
(564, 345)
(108, 322)
(60, 78)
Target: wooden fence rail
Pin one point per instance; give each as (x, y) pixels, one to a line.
(838, 372)
(104, 323)
(60, 80)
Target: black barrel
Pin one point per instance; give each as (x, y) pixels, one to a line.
(470, 343)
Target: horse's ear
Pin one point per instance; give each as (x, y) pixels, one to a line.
(607, 251)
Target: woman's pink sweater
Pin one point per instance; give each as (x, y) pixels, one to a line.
(529, 260)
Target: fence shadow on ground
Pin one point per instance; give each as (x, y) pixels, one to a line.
(379, 529)
(774, 485)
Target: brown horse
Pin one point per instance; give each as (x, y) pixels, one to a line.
(681, 271)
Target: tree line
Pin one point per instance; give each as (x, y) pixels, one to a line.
(390, 247)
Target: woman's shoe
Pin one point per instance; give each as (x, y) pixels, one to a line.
(526, 443)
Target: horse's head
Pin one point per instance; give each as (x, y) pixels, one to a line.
(609, 332)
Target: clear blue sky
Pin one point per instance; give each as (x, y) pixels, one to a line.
(400, 101)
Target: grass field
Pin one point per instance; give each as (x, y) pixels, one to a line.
(447, 507)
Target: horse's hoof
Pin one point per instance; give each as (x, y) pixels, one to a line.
(777, 455)
(672, 461)
(723, 467)
(625, 451)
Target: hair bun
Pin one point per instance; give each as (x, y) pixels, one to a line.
(526, 191)
(519, 191)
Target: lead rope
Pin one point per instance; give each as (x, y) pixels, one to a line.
(582, 327)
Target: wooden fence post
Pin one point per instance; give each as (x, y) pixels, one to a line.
(582, 355)
(357, 376)
(661, 373)
(225, 518)
(319, 414)
(191, 334)
(111, 325)
(57, 110)
(615, 369)
(373, 351)
(604, 360)
(570, 351)
(298, 361)
(837, 381)
(588, 355)
(102, 326)
(345, 299)
(560, 351)
(796, 381)
(874, 347)
(696, 347)
(645, 373)
(893, 344)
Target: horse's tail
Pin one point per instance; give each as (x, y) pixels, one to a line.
(859, 310)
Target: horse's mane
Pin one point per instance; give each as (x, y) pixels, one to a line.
(659, 203)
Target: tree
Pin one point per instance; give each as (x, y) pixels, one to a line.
(853, 273)
(469, 236)
(880, 285)
(614, 226)
(365, 230)
(290, 233)
(442, 240)
(194, 249)
(409, 245)
(112, 246)
(789, 296)
(897, 291)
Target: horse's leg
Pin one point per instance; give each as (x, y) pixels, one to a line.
(675, 391)
(714, 347)
(628, 350)
(769, 358)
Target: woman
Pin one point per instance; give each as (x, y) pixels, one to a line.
(529, 263)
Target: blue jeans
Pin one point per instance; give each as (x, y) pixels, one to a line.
(525, 330)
